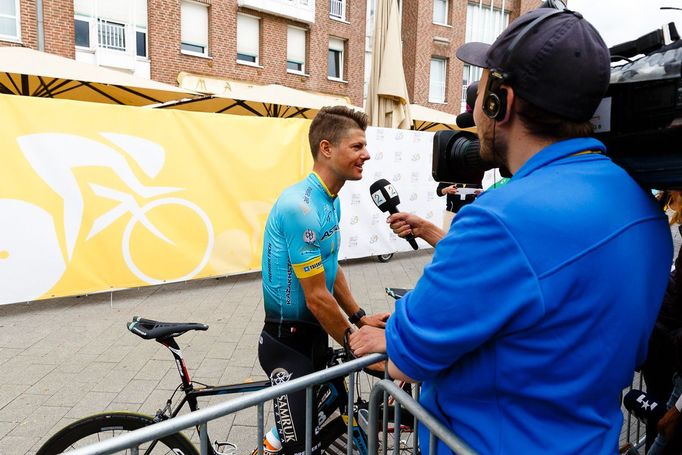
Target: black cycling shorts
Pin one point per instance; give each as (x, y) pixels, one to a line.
(288, 351)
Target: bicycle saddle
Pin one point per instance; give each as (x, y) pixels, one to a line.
(150, 329)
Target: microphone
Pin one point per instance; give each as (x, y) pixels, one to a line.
(386, 198)
(643, 406)
(465, 120)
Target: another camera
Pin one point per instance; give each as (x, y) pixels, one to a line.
(639, 120)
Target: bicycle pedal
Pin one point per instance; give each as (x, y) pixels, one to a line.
(225, 448)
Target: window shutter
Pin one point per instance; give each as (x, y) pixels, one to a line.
(296, 45)
(194, 24)
(336, 44)
(248, 36)
(437, 80)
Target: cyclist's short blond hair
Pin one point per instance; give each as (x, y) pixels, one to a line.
(332, 124)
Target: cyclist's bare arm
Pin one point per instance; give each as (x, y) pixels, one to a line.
(324, 306)
(350, 306)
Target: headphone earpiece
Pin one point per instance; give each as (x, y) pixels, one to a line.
(495, 97)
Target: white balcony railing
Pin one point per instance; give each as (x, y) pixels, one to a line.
(111, 35)
(337, 9)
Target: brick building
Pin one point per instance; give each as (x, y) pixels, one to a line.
(432, 32)
(159, 39)
(316, 45)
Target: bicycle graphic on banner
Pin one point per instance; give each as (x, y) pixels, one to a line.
(56, 158)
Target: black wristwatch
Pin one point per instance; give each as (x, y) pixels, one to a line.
(355, 317)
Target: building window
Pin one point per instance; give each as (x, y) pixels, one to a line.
(485, 24)
(9, 20)
(437, 78)
(296, 49)
(440, 11)
(141, 42)
(335, 58)
(471, 74)
(337, 9)
(194, 28)
(248, 39)
(82, 32)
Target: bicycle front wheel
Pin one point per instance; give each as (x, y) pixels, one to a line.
(99, 427)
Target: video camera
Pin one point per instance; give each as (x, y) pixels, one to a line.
(639, 119)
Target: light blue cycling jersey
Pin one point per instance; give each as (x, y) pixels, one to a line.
(301, 240)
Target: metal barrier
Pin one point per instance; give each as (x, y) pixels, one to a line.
(633, 431)
(437, 430)
(259, 398)
(383, 389)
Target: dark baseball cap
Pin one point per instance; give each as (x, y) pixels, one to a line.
(561, 64)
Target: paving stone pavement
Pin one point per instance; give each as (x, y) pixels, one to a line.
(63, 359)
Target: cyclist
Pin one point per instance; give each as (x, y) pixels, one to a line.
(304, 287)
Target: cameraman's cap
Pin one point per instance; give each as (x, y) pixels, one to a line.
(561, 65)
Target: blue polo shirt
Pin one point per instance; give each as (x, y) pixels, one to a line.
(301, 240)
(537, 307)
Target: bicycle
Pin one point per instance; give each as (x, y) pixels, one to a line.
(94, 428)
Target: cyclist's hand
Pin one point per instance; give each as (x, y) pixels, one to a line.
(375, 320)
(367, 340)
(668, 422)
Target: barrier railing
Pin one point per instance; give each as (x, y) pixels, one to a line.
(437, 430)
(259, 398)
(633, 431)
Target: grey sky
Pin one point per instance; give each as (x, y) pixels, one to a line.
(624, 20)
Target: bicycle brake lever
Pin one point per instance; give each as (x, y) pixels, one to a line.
(346, 344)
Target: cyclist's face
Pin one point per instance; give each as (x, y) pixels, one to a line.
(350, 155)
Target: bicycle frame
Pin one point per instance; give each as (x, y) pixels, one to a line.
(332, 398)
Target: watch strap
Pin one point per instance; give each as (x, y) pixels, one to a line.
(355, 317)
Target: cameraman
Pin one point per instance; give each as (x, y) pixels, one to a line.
(539, 301)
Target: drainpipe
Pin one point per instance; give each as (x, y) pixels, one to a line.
(41, 28)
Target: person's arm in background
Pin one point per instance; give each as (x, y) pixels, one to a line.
(403, 224)
(348, 304)
(444, 189)
(666, 426)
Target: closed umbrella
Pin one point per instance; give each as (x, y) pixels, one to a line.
(388, 103)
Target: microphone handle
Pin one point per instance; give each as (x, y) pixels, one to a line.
(410, 238)
(412, 241)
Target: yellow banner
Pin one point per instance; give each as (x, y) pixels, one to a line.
(96, 197)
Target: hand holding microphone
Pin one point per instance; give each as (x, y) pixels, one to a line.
(386, 198)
